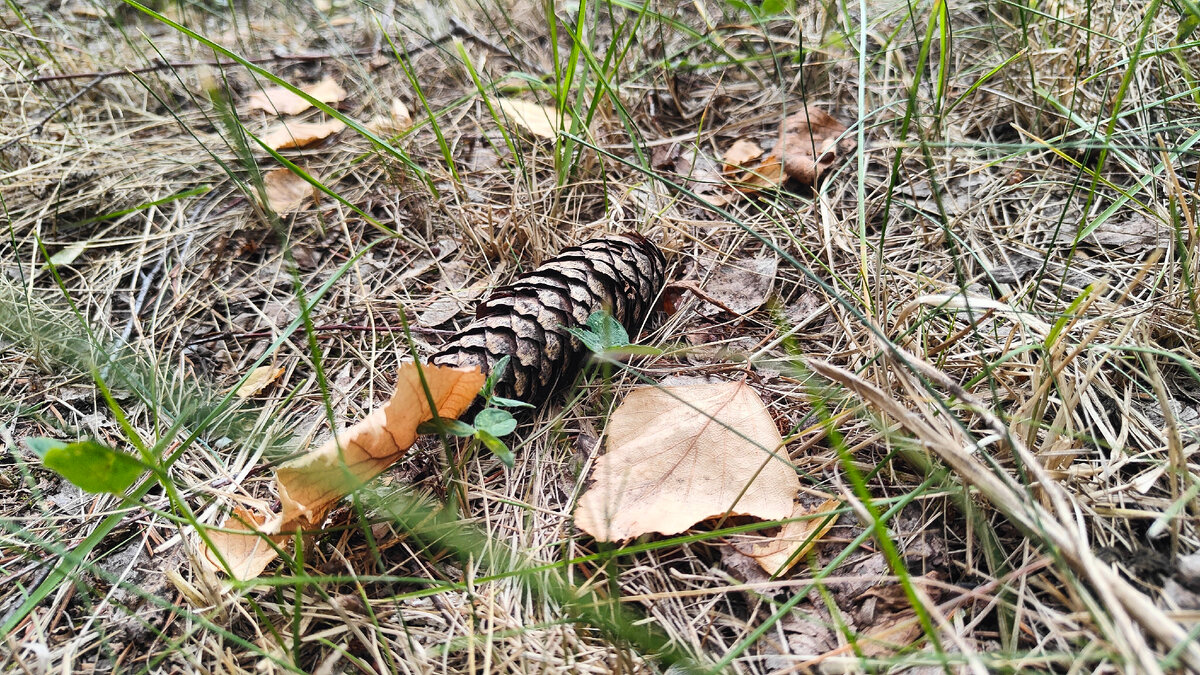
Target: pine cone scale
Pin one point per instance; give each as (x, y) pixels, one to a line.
(528, 319)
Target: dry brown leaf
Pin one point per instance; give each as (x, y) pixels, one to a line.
(808, 144)
(741, 285)
(246, 554)
(309, 485)
(537, 119)
(739, 156)
(680, 455)
(398, 120)
(284, 136)
(807, 147)
(259, 378)
(1132, 235)
(286, 191)
(766, 174)
(778, 554)
(277, 100)
(890, 634)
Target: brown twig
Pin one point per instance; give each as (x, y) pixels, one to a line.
(38, 126)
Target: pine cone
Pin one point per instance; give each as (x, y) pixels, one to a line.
(527, 320)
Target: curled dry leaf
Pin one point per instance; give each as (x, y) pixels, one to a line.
(808, 144)
(739, 156)
(286, 191)
(778, 554)
(397, 121)
(259, 378)
(281, 101)
(741, 285)
(309, 485)
(539, 120)
(246, 554)
(680, 455)
(285, 136)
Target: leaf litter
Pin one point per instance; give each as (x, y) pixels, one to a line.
(310, 484)
(899, 261)
(290, 135)
(287, 191)
(741, 285)
(283, 101)
(809, 143)
(679, 455)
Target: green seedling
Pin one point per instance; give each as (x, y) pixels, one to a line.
(491, 424)
(89, 465)
(607, 338)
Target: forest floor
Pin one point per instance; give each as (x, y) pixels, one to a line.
(975, 321)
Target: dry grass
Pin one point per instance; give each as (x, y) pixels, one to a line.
(1014, 408)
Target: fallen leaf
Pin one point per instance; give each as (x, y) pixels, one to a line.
(664, 157)
(67, 255)
(439, 312)
(778, 554)
(449, 306)
(246, 554)
(680, 455)
(700, 174)
(309, 485)
(766, 174)
(259, 378)
(741, 285)
(890, 634)
(397, 121)
(807, 147)
(739, 156)
(286, 190)
(281, 101)
(808, 144)
(284, 136)
(537, 119)
(1132, 235)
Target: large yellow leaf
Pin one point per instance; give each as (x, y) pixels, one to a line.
(311, 484)
(277, 100)
(680, 455)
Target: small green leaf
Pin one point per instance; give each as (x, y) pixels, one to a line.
(611, 332)
(494, 376)
(510, 402)
(68, 255)
(497, 446)
(1187, 26)
(94, 467)
(588, 338)
(495, 422)
(40, 446)
(451, 427)
(773, 7)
